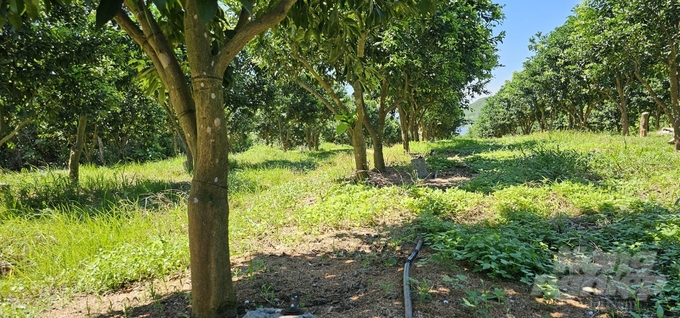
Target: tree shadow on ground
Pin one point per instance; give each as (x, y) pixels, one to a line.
(175, 304)
(93, 196)
(303, 165)
(466, 147)
(326, 154)
(463, 163)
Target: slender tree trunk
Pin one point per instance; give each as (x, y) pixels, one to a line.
(101, 151)
(15, 131)
(3, 125)
(404, 129)
(657, 121)
(675, 90)
(358, 143)
(377, 140)
(623, 106)
(676, 133)
(76, 150)
(177, 129)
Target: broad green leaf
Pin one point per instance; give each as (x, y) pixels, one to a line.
(106, 10)
(2, 21)
(207, 9)
(16, 6)
(32, 8)
(160, 4)
(342, 127)
(247, 5)
(14, 19)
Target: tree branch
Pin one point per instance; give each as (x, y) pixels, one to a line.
(326, 86)
(317, 95)
(243, 19)
(248, 31)
(16, 129)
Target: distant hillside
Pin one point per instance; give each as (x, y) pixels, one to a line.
(475, 109)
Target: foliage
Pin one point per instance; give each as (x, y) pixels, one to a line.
(606, 65)
(58, 69)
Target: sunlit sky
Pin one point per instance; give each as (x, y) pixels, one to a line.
(523, 19)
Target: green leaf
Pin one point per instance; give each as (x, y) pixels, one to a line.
(342, 127)
(14, 19)
(16, 7)
(426, 6)
(32, 8)
(659, 311)
(248, 6)
(160, 4)
(106, 10)
(2, 21)
(207, 9)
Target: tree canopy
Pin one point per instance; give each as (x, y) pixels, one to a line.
(609, 62)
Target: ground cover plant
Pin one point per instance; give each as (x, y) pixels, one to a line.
(299, 223)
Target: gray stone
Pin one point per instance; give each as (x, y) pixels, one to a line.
(273, 313)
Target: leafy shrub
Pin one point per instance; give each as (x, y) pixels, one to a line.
(115, 268)
(495, 250)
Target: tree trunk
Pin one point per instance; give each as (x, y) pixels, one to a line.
(358, 143)
(404, 129)
(177, 129)
(201, 115)
(657, 121)
(3, 125)
(213, 293)
(101, 151)
(623, 107)
(675, 90)
(378, 156)
(74, 157)
(676, 133)
(644, 124)
(377, 139)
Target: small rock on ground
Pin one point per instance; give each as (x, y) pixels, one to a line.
(273, 313)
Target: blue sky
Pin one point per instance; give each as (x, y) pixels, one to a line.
(523, 19)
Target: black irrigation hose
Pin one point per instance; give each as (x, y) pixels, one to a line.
(407, 289)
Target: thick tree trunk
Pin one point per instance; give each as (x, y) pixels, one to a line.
(213, 293)
(76, 150)
(200, 113)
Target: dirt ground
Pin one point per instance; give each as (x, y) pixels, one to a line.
(339, 274)
(353, 274)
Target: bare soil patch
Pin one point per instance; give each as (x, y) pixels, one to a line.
(436, 179)
(339, 274)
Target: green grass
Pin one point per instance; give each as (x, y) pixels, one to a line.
(530, 195)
